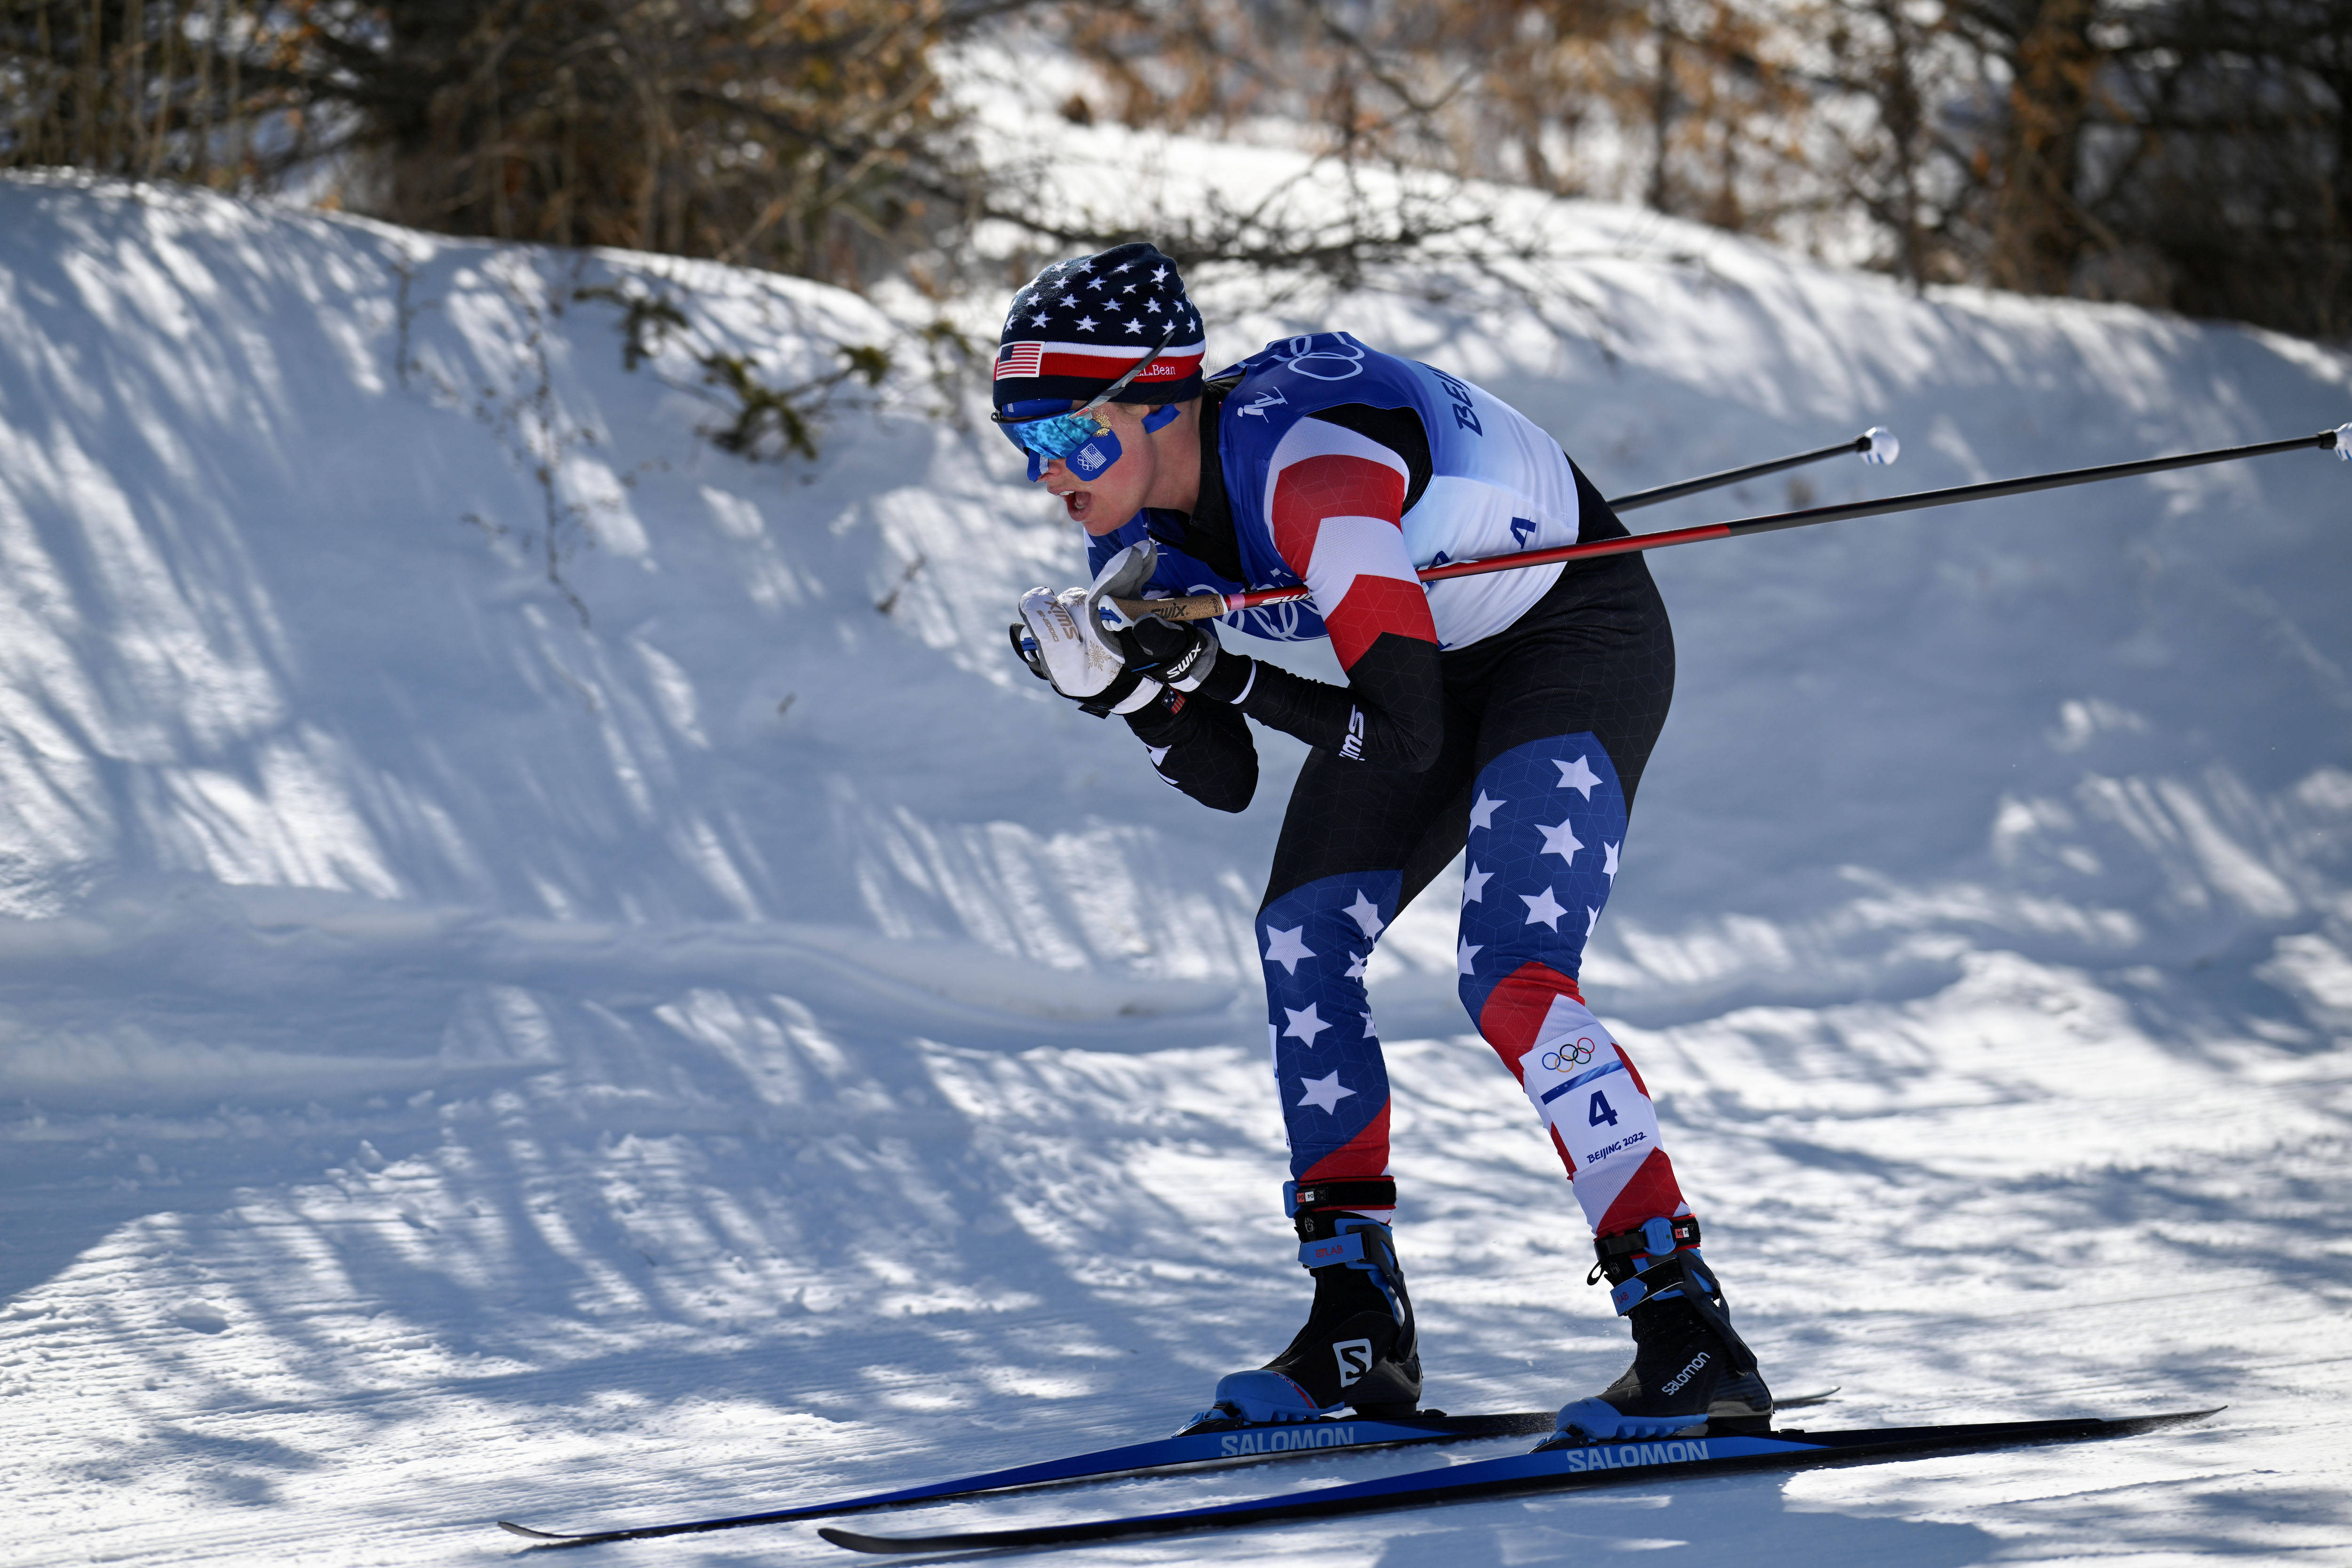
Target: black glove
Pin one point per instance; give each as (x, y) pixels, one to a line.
(1176, 653)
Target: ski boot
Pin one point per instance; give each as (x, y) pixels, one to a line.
(1359, 1347)
(1692, 1374)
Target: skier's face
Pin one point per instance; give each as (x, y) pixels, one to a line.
(1110, 500)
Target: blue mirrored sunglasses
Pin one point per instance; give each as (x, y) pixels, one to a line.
(1047, 427)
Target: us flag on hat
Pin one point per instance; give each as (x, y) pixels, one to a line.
(1079, 326)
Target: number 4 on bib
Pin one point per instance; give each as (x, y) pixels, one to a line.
(1600, 1114)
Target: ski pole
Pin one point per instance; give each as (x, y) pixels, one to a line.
(1875, 445)
(1208, 606)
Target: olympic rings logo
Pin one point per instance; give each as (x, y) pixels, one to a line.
(1340, 361)
(1561, 1059)
(1276, 623)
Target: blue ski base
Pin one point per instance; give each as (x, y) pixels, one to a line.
(1299, 1437)
(1546, 1469)
(1219, 1446)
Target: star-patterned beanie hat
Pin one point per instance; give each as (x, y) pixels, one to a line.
(1080, 324)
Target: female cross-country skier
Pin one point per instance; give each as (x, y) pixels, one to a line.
(1511, 712)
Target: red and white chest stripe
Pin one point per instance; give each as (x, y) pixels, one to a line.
(1336, 500)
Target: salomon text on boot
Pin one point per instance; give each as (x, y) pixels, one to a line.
(1692, 1373)
(1358, 1348)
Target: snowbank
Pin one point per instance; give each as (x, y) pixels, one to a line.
(545, 966)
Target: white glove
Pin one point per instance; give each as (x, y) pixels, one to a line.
(1050, 639)
(1061, 638)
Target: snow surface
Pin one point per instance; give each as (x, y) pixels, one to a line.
(699, 1030)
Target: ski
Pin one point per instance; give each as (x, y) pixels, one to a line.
(1264, 1442)
(1545, 1471)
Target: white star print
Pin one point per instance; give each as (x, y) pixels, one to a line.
(1577, 775)
(1305, 1025)
(1158, 755)
(1561, 841)
(1592, 919)
(1609, 859)
(1474, 886)
(1038, 320)
(1135, 326)
(1482, 815)
(1546, 908)
(1324, 1092)
(1086, 323)
(1159, 273)
(1367, 915)
(1284, 947)
(1130, 287)
(1153, 306)
(1355, 970)
(1464, 953)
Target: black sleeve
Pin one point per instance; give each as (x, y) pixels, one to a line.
(1201, 746)
(1391, 714)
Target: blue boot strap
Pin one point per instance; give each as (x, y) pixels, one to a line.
(1666, 1279)
(1661, 1281)
(1361, 1244)
(1346, 1248)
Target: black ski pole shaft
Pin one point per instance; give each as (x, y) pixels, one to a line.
(1874, 440)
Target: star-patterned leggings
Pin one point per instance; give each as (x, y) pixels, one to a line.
(1548, 728)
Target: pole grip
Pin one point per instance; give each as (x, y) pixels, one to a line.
(1190, 607)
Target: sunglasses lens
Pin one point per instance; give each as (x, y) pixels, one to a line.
(1055, 437)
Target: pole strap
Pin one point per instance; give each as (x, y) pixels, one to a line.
(1358, 1192)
